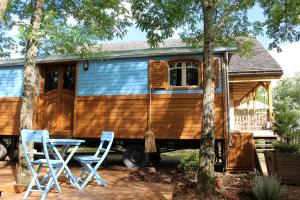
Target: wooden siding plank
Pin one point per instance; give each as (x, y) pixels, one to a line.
(241, 153)
(10, 116)
(174, 116)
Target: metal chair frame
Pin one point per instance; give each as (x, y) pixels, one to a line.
(43, 186)
(88, 161)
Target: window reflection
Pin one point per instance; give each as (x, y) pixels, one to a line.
(51, 80)
(192, 73)
(175, 77)
(184, 74)
(69, 78)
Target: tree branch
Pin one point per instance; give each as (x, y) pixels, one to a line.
(226, 12)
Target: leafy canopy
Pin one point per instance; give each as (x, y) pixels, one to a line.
(5, 42)
(161, 19)
(283, 20)
(71, 26)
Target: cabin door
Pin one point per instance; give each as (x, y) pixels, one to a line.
(57, 98)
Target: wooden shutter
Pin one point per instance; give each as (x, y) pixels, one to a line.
(216, 71)
(201, 74)
(158, 74)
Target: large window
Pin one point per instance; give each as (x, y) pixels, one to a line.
(184, 74)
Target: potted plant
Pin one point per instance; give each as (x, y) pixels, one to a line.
(284, 162)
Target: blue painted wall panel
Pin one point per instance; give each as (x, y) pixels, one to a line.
(123, 77)
(11, 81)
(114, 77)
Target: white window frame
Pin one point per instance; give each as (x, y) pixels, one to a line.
(183, 74)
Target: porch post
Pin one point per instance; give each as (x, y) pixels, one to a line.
(270, 101)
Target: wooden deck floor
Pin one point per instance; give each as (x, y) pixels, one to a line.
(118, 187)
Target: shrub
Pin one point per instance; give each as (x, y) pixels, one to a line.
(281, 147)
(268, 188)
(190, 163)
(287, 108)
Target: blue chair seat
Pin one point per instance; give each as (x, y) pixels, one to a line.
(90, 159)
(44, 161)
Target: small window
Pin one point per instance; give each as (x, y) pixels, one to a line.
(69, 78)
(184, 74)
(51, 81)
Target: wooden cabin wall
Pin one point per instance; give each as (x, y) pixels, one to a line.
(11, 80)
(114, 95)
(174, 116)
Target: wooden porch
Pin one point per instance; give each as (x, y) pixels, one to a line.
(251, 105)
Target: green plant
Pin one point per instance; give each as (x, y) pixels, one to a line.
(268, 188)
(287, 108)
(281, 147)
(190, 163)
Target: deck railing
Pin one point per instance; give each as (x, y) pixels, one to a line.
(250, 120)
(295, 139)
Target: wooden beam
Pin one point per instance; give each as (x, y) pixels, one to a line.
(254, 101)
(270, 101)
(253, 78)
(225, 100)
(251, 91)
(75, 99)
(264, 85)
(248, 102)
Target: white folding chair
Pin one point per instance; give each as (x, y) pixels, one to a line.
(44, 185)
(92, 163)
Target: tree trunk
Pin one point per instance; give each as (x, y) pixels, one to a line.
(26, 118)
(205, 178)
(3, 6)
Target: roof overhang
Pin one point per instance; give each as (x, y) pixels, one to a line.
(255, 76)
(105, 55)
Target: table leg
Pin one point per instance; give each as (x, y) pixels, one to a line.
(64, 167)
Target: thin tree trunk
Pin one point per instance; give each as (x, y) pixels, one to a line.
(23, 176)
(205, 178)
(3, 6)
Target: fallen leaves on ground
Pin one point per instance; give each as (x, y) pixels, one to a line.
(234, 186)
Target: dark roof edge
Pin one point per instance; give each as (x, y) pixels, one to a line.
(137, 53)
(249, 73)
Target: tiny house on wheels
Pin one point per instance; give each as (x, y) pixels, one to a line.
(132, 87)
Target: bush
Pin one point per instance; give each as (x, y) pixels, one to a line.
(281, 147)
(287, 108)
(190, 163)
(268, 188)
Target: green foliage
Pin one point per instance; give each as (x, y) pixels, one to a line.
(190, 163)
(268, 188)
(287, 108)
(262, 95)
(5, 42)
(283, 22)
(70, 26)
(281, 147)
(160, 20)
